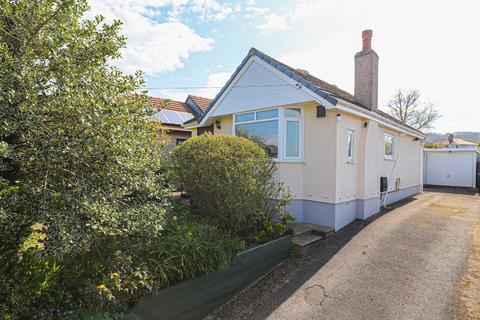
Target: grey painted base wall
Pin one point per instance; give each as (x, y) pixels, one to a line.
(338, 215)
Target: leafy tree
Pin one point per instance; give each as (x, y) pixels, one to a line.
(407, 106)
(76, 151)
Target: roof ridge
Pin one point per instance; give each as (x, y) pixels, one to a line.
(192, 95)
(327, 91)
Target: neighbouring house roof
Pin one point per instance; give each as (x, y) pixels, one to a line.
(175, 113)
(456, 141)
(201, 102)
(168, 104)
(327, 91)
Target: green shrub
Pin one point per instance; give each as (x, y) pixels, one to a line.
(230, 183)
(36, 292)
(189, 247)
(77, 157)
(432, 146)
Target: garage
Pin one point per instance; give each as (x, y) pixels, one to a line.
(450, 167)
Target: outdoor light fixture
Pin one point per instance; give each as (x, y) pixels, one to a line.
(218, 125)
(365, 124)
(339, 117)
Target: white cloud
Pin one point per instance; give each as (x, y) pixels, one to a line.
(253, 11)
(274, 22)
(177, 95)
(438, 58)
(304, 9)
(211, 9)
(154, 46)
(215, 82)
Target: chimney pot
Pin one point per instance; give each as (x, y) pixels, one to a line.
(367, 40)
(366, 73)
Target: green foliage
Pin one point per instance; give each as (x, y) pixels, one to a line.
(37, 284)
(189, 247)
(230, 183)
(89, 314)
(84, 224)
(77, 160)
(432, 146)
(78, 145)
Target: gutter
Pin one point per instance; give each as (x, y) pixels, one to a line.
(361, 112)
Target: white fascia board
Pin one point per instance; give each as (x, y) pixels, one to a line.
(190, 125)
(451, 150)
(278, 73)
(361, 112)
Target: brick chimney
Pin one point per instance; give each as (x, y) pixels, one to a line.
(366, 73)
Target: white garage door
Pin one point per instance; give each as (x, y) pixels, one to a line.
(456, 169)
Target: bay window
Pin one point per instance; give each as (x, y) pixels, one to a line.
(278, 131)
(261, 127)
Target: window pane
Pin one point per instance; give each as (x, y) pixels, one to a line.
(293, 113)
(388, 145)
(180, 141)
(264, 133)
(245, 117)
(267, 114)
(350, 145)
(293, 139)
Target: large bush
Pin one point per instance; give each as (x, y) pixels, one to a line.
(230, 182)
(77, 158)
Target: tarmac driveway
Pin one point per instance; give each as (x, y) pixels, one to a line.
(404, 264)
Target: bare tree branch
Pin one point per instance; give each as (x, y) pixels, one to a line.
(407, 107)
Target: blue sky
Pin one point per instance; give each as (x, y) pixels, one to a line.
(429, 45)
(233, 37)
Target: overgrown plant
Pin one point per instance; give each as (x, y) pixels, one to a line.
(76, 148)
(230, 181)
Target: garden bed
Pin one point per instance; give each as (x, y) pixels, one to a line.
(200, 296)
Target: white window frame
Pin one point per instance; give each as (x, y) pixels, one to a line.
(389, 157)
(234, 123)
(350, 158)
(282, 132)
(300, 134)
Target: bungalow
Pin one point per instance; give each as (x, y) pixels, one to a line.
(339, 155)
(172, 114)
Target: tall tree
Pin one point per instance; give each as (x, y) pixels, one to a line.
(407, 106)
(76, 151)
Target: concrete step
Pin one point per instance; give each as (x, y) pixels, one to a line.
(299, 229)
(307, 228)
(324, 231)
(304, 240)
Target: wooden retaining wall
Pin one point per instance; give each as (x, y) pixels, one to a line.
(196, 298)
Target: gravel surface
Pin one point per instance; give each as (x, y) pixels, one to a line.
(407, 263)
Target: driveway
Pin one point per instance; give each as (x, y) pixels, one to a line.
(412, 262)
